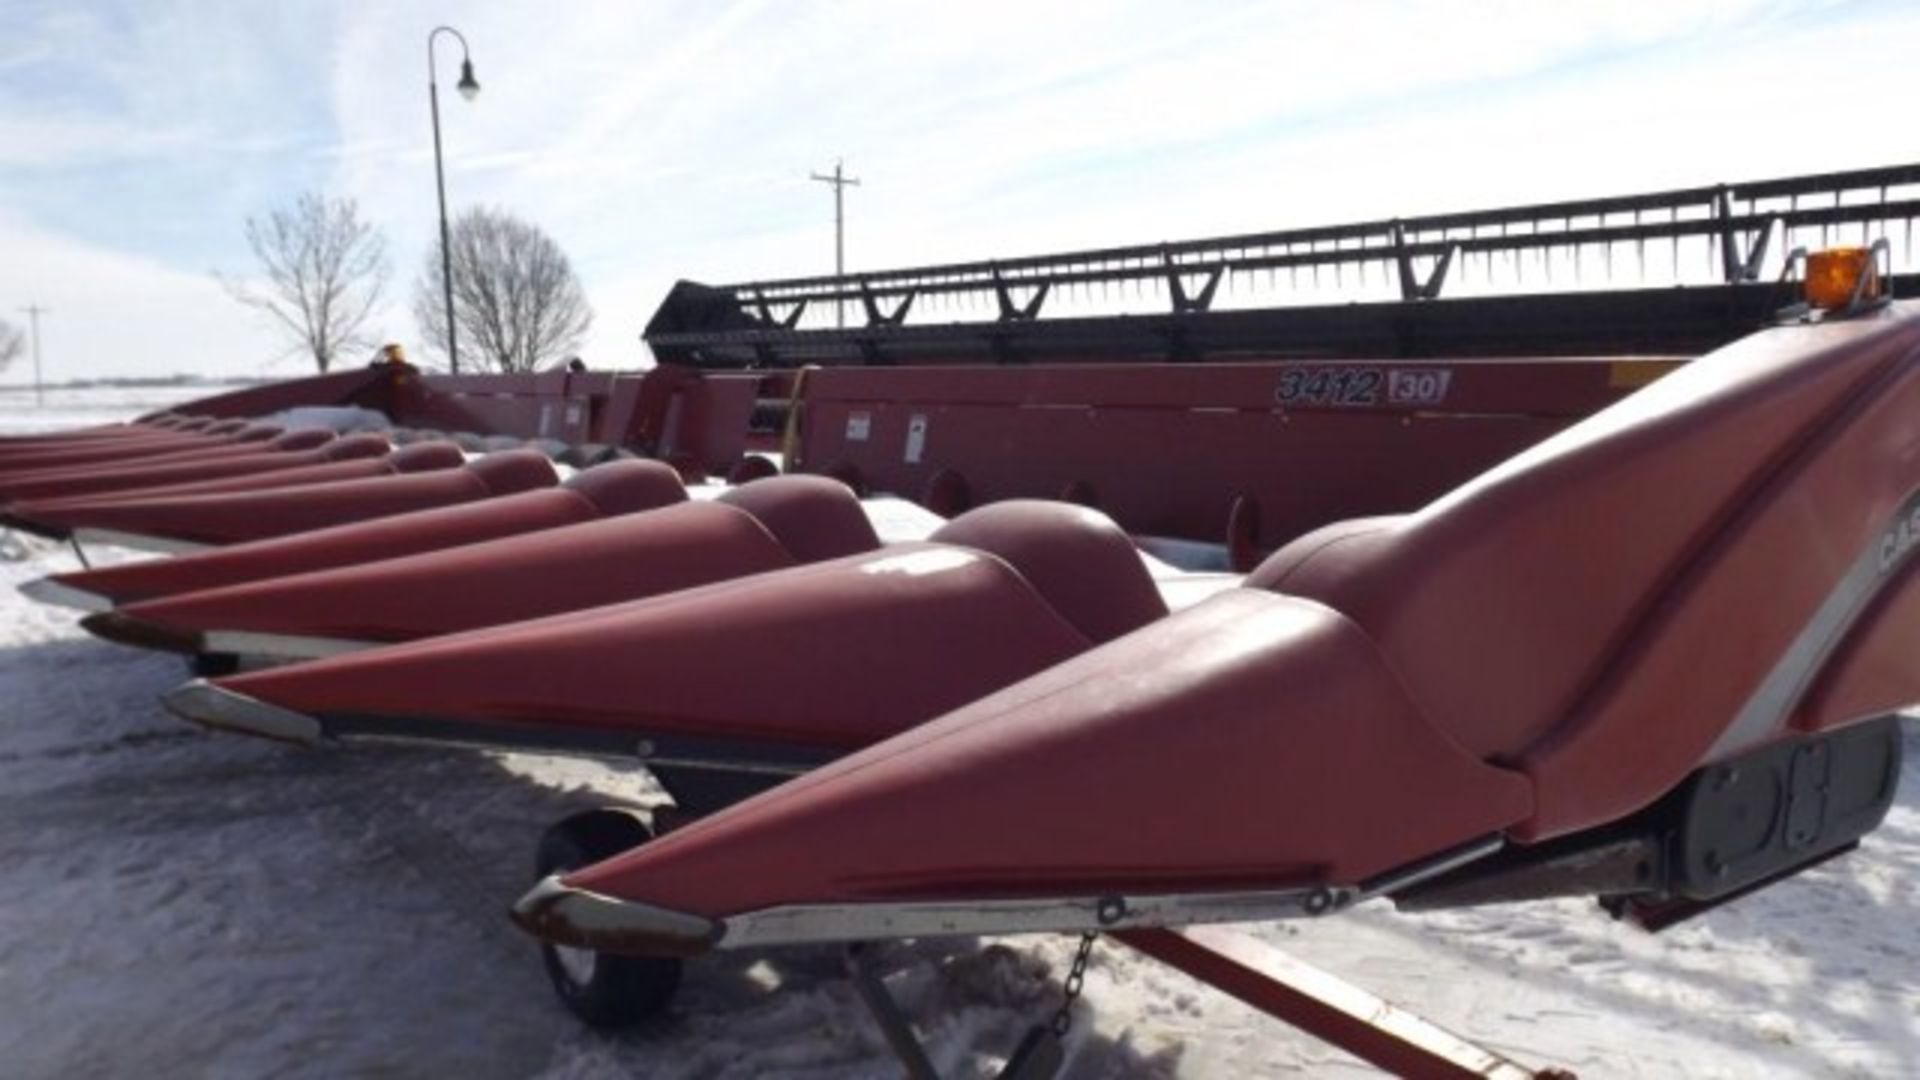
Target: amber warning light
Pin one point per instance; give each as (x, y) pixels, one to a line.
(1833, 276)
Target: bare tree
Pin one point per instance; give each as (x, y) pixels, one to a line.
(515, 297)
(12, 344)
(323, 269)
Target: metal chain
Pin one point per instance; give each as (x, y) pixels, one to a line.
(1076, 980)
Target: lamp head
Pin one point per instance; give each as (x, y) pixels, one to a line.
(469, 87)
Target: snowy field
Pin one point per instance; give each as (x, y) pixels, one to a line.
(64, 408)
(180, 903)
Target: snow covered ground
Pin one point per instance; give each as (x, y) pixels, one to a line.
(180, 903)
(79, 407)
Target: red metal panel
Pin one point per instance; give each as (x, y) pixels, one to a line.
(662, 411)
(234, 517)
(1877, 671)
(712, 422)
(130, 478)
(698, 419)
(618, 415)
(142, 453)
(1687, 673)
(1298, 758)
(509, 580)
(488, 404)
(1169, 449)
(1568, 612)
(1562, 609)
(343, 545)
(81, 452)
(643, 410)
(813, 632)
(369, 387)
(548, 405)
(583, 398)
(49, 511)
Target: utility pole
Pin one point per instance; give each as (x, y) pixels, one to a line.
(840, 184)
(34, 311)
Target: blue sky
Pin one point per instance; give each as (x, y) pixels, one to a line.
(666, 140)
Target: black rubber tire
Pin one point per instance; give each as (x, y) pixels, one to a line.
(213, 665)
(621, 991)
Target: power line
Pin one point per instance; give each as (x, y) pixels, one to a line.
(34, 311)
(840, 183)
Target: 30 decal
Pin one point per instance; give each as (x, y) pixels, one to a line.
(1418, 386)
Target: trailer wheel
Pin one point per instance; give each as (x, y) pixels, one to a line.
(213, 665)
(602, 989)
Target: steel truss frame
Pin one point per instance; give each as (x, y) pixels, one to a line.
(760, 323)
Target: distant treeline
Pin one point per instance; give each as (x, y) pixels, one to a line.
(146, 382)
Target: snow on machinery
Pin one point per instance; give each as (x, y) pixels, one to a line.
(1447, 702)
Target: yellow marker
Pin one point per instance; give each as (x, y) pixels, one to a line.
(1833, 274)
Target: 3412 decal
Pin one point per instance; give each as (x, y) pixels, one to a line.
(1362, 386)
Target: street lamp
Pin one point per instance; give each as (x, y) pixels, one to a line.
(469, 87)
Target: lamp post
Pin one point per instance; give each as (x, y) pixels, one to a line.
(468, 87)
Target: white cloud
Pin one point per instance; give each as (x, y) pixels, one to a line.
(115, 314)
(673, 140)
